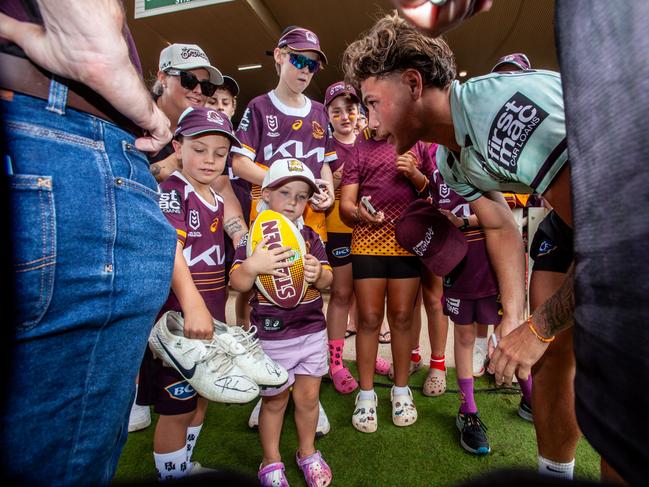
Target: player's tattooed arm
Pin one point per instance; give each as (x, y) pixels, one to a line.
(155, 169)
(236, 228)
(557, 313)
(234, 224)
(161, 170)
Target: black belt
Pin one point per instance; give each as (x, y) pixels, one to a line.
(22, 76)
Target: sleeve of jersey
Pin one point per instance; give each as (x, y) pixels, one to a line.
(172, 207)
(446, 164)
(249, 133)
(350, 170)
(240, 253)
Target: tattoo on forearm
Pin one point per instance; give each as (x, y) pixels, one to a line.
(557, 313)
(234, 226)
(155, 169)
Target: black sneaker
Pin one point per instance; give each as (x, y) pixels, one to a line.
(473, 437)
(525, 411)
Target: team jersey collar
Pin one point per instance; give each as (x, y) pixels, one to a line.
(190, 189)
(290, 111)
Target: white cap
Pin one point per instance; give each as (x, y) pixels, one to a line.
(186, 57)
(284, 170)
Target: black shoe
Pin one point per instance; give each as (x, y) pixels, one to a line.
(473, 437)
(525, 411)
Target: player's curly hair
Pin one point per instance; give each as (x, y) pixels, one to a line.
(394, 45)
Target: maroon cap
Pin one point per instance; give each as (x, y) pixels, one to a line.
(517, 59)
(340, 88)
(200, 120)
(299, 39)
(427, 233)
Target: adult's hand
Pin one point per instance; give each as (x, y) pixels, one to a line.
(434, 20)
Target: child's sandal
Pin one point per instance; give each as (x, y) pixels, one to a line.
(364, 418)
(316, 471)
(435, 383)
(404, 412)
(344, 381)
(272, 475)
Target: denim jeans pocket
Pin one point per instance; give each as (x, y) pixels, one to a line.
(33, 238)
(139, 172)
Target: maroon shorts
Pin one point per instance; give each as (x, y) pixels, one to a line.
(339, 249)
(164, 388)
(486, 311)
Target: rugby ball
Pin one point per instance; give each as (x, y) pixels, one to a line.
(286, 291)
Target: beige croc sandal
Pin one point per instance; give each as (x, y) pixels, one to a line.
(364, 418)
(435, 383)
(414, 367)
(404, 412)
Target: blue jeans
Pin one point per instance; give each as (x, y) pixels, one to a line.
(93, 260)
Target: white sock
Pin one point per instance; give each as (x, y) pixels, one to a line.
(366, 395)
(192, 437)
(400, 391)
(556, 469)
(171, 465)
(481, 342)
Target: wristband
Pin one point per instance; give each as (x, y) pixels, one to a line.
(536, 333)
(423, 187)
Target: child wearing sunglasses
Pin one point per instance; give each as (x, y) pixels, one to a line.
(285, 123)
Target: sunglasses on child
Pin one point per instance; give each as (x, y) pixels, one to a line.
(300, 61)
(189, 81)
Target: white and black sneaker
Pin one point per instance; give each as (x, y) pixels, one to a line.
(253, 361)
(207, 365)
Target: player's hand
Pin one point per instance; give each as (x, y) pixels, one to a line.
(434, 20)
(198, 323)
(270, 261)
(312, 269)
(516, 353)
(408, 164)
(158, 133)
(453, 218)
(322, 200)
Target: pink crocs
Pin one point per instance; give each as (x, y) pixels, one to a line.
(382, 366)
(272, 475)
(316, 471)
(343, 381)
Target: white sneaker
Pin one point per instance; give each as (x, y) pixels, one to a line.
(253, 420)
(479, 359)
(140, 418)
(323, 422)
(253, 361)
(198, 469)
(206, 364)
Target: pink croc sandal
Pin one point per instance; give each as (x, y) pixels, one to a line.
(316, 471)
(272, 475)
(344, 381)
(382, 366)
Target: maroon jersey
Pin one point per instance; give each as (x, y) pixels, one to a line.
(275, 323)
(270, 130)
(199, 226)
(373, 168)
(473, 278)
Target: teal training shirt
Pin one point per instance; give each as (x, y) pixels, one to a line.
(512, 134)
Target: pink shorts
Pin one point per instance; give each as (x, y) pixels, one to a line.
(304, 355)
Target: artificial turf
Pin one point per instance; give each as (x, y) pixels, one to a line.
(426, 453)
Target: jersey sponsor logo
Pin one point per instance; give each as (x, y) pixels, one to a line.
(194, 219)
(169, 202)
(212, 256)
(181, 391)
(341, 252)
(272, 324)
(297, 125)
(214, 225)
(244, 124)
(292, 148)
(318, 131)
(512, 128)
(453, 305)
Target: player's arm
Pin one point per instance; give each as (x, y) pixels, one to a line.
(233, 221)
(161, 170)
(262, 261)
(245, 168)
(198, 320)
(435, 20)
(84, 41)
(349, 212)
(505, 248)
(408, 165)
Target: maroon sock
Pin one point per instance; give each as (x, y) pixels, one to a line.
(466, 396)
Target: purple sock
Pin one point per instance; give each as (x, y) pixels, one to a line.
(466, 396)
(526, 389)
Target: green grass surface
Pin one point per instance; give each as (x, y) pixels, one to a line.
(426, 453)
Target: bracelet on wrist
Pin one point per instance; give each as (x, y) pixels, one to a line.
(533, 329)
(423, 187)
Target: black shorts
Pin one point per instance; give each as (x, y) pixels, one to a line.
(339, 249)
(552, 248)
(164, 388)
(385, 267)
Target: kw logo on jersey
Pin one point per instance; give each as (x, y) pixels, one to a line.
(294, 149)
(318, 131)
(297, 125)
(512, 128)
(212, 256)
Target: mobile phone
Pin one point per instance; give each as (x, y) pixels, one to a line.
(368, 206)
